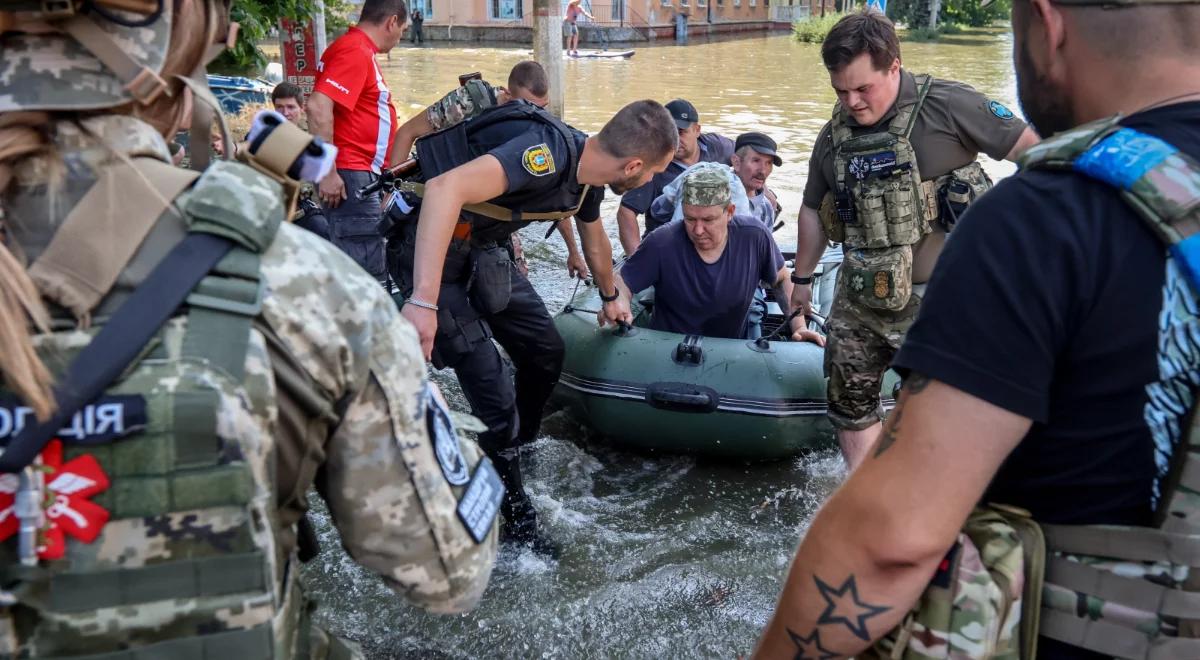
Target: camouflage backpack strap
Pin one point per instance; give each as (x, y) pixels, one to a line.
(245, 206)
(1132, 591)
(461, 104)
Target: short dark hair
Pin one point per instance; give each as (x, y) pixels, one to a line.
(529, 75)
(376, 12)
(868, 31)
(642, 129)
(287, 90)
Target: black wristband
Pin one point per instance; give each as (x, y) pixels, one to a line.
(607, 299)
(801, 280)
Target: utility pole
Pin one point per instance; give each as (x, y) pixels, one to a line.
(319, 28)
(548, 47)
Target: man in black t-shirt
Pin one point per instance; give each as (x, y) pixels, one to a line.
(1049, 367)
(486, 178)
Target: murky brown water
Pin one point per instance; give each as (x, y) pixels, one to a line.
(666, 556)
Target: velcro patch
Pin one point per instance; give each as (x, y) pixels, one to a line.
(480, 503)
(445, 440)
(1000, 110)
(538, 160)
(103, 420)
(869, 165)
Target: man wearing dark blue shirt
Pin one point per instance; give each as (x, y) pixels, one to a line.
(694, 147)
(1052, 367)
(705, 269)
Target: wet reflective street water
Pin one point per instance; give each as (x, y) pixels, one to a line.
(665, 556)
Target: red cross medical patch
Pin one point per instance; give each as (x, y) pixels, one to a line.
(68, 508)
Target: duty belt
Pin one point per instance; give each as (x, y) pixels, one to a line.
(500, 213)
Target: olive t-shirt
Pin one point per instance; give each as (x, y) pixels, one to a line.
(954, 125)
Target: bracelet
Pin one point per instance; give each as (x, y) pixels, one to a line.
(421, 303)
(801, 280)
(608, 299)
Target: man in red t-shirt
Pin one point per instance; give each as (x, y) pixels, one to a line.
(351, 107)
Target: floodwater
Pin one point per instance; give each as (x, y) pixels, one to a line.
(665, 556)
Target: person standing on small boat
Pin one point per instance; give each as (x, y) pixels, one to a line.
(512, 165)
(574, 10)
(694, 147)
(706, 268)
(890, 173)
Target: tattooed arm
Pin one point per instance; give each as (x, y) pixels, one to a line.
(874, 545)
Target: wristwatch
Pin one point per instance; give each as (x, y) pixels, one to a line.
(608, 299)
(801, 280)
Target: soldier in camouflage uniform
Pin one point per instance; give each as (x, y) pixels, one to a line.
(1041, 463)
(161, 520)
(899, 149)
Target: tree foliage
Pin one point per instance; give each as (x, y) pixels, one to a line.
(961, 12)
(259, 19)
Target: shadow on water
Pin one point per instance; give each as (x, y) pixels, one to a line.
(666, 556)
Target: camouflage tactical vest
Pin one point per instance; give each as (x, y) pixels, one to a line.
(1129, 592)
(881, 206)
(160, 536)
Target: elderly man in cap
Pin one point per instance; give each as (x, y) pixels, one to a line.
(754, 158)
(694, 147)
(706, 268)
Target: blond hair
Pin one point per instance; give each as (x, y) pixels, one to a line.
(29, 135)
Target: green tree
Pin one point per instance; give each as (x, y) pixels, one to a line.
(259, 19)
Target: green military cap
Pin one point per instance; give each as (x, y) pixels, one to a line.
(91, 59)
(707, 187)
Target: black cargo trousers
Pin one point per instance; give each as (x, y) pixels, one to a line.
(510, 405)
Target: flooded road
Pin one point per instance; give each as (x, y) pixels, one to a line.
(665, 556)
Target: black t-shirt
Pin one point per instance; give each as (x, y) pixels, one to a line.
(1047, 302)
(538, 166)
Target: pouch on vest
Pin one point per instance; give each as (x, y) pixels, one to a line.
(834, 227)
(958, 190)
(972, 606)
(491, 279)
(878, 279)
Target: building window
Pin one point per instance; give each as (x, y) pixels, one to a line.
(701, 3)
(426, 7)
(667, 3)
(753, 3)
(737, 3)
(505, 10)
(618, 10)
(720, 3)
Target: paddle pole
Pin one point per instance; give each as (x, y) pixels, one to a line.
(548, 48)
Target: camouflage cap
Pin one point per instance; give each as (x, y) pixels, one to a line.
(706, 187)
(54, 70)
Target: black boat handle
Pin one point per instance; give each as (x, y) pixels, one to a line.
(682, 398)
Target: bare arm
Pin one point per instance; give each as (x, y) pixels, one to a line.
(872, 547)
(1027, 139)
(417, 126)
(782, 288)
(597, 249)
(627, 230)
(476, 181)
(331, 189)
(810, 245)
(319, 111)
(576, 262)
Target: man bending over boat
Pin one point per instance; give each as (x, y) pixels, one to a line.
(705, 269)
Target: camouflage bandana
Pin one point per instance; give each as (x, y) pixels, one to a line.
(53, 71)
(706, 188)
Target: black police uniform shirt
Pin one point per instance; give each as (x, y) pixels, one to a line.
(714, 148)
(1047, 302)
(536, 162)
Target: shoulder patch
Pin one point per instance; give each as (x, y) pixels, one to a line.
(445, 440)
(1000, 110)
(236, 201)
(538, 160)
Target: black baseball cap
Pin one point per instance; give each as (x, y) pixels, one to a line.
(760, 142)
(683, 112)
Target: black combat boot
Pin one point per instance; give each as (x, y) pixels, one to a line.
(520, 517)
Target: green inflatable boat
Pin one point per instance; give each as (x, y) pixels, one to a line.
(661, 391)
